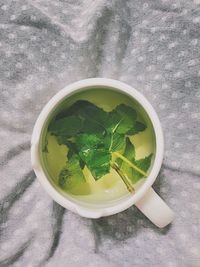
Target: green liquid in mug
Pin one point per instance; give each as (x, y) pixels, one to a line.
(110, 187)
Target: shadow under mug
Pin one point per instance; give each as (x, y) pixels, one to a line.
(145, 198)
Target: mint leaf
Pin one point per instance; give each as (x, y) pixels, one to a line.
(129, 153)
(92, 127)
(122, 119)
(68, 126)
(73, 151)
(90, 141)
(94, 113)
(62, 139)
(98, 161)
(117, 142)
(142, 164)
(138, 127)
(93, 117)
(94, 151)
(71, 175)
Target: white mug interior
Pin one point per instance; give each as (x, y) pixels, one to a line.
(83, 207)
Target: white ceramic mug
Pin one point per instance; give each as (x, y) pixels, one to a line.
(145, 198)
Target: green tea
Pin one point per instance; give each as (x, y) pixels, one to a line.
(102, 188)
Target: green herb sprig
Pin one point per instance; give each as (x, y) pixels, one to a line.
(99, 140)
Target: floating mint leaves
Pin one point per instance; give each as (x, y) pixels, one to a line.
(71, 175)
(95, 138)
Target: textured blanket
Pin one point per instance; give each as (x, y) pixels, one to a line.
(151, 45)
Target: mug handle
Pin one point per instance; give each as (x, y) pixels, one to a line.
(155, 209)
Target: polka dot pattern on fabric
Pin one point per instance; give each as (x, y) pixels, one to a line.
(154, 47)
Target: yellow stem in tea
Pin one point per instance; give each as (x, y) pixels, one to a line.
(124, 178)
(130, 163)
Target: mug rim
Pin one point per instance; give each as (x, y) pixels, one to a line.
(37, 130)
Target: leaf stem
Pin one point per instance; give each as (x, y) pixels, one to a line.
(130, 163)
(124, 178)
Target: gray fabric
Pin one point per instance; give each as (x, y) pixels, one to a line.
(154, 47)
